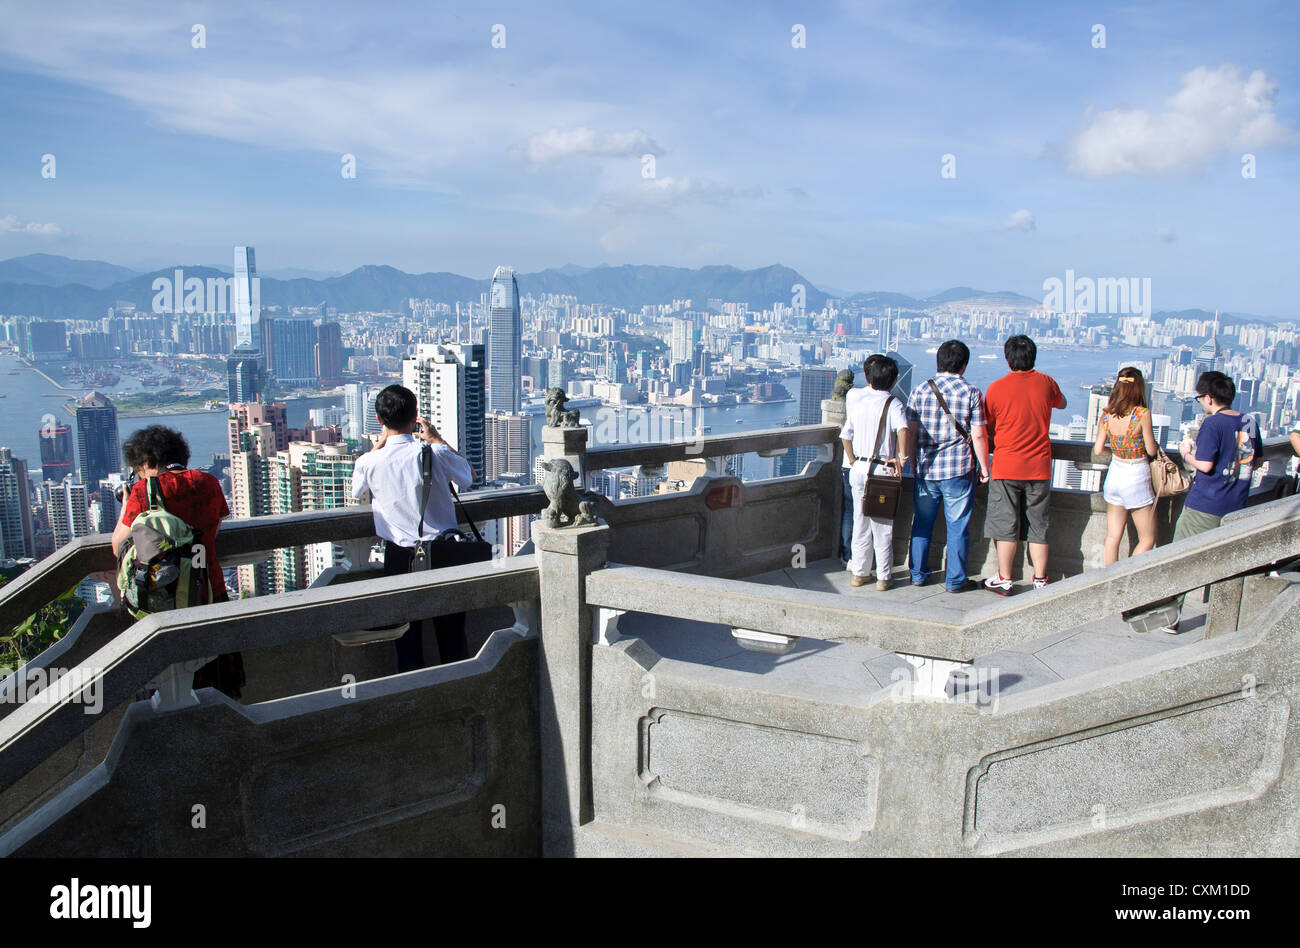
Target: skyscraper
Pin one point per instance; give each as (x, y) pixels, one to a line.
(354, 400)
(325, 483)
(329, 354)
(294, 341)
(507, 444)
(902, 389)
(505, 341)
(1209, 357)
(69, 511)
(245, 379)
(98, 450)
(56, 452)
(45, 340)
(248, 302)
(246, 368)
(683, 339)
(448, 382)
(815, 385)
(1247, 394)
(256, 432)
(17, 538)
(370, 426)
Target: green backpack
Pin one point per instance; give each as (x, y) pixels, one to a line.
(161, 564)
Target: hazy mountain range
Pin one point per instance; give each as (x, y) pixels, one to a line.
(56, 287)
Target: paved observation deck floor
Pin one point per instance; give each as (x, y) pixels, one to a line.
(862, 669)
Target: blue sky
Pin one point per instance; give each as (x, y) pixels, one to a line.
(1119, 161)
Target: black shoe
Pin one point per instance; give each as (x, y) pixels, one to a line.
(964, 587)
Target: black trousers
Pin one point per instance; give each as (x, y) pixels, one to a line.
(453, 646)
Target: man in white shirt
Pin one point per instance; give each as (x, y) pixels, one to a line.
(392, 475)
(874, 534)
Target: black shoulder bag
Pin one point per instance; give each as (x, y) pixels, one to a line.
(880, 499)
(452, 547)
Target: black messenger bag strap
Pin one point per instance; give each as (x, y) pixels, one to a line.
(426, 476)
(464, 516)
(961, 429)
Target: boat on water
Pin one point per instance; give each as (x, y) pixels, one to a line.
(932, 350)
(988, 357)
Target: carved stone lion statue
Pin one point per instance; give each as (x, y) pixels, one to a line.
(557, 416)
(843, 382)
(567, 508)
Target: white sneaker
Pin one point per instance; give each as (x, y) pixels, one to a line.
(996, 583)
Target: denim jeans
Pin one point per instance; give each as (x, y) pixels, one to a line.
(957, 497)
(846, 521)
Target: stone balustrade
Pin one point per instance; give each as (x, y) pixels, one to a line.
(553, 740)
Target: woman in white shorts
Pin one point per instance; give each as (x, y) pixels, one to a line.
(1125, 433)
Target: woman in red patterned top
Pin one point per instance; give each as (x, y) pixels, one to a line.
(195, 497)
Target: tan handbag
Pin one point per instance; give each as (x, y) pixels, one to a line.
(1168, 478)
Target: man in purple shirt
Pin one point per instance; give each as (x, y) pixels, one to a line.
(1228, 449)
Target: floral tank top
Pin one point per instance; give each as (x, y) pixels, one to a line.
(1129, 446)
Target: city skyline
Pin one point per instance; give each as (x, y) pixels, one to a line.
(1117, 154)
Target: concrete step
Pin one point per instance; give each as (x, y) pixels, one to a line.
(609, 840)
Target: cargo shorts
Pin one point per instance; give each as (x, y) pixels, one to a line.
(1006, 498)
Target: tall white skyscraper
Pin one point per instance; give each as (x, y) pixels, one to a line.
(371, 428)
(248, 301)
(683, 339)
(69, 511)
(448, 382)
(354, 401)
(505, 342)
(246, 366)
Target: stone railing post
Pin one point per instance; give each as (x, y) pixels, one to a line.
(565, 555)
(833, 413)
(570, 444)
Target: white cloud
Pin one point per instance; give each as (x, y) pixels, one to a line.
(1215, 112)
(9, 224)
(556, 143)
(406, 121)
(1020, 220)
(658, 195)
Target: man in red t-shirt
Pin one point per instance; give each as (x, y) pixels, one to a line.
(1018, 410)
(195, 497)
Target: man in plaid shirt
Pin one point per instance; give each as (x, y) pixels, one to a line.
(943, 470)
